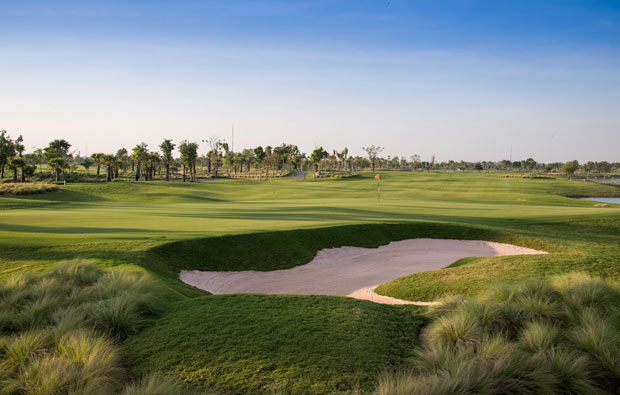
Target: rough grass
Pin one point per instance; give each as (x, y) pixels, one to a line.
(555, 336)
(59, 331)
(265, 343)
(26, 188)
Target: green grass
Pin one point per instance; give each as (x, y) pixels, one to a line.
(251, 343)
(160, 228)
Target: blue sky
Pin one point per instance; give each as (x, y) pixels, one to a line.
(456, 79)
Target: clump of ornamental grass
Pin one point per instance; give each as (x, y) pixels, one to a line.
(59, 331)
(155, 385)
(26, 188)
(557, 336)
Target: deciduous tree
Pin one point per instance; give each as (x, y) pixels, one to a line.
(372, 153)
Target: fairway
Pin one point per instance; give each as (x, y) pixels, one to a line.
(233, 225)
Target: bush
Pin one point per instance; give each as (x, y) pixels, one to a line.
(558, 337)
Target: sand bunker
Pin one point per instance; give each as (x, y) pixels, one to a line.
(352, 271)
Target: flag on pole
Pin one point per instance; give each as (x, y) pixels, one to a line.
(377, 177)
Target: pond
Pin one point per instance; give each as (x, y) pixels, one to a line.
(604, 200)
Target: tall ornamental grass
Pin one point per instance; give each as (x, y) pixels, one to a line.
(59, 331)
(26, 188)
(558, 336)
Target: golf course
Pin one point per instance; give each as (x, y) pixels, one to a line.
(257, 343)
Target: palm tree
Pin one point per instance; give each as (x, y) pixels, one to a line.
(108, 161)
(237, 161)
(56, 154)
(166, 148)
(316, 157)
(139, 154)
(189, 155)
(248, 157)
(98, 159)
(16, 163)
(153, 161)
(259, 156)
(228, 157)
(87, 163)
(57, 164)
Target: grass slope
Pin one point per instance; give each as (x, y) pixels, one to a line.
(286, 249)
(253, 343)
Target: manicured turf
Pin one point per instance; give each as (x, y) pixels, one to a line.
(242, 224)
(245, 343)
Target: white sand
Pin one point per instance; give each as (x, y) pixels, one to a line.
(352, 271)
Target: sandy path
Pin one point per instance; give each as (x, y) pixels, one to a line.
(352, 271)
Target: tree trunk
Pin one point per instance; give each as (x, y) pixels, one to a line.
(23, 175)
(183, 173)
(108, 177)
(167, 170)
(57, 175)
(138, 171)
(98, 168)
(15, 175)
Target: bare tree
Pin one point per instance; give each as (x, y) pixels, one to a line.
(215, 143)
(415, 161)
(372, 152)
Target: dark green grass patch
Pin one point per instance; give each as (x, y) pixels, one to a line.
(259, 343)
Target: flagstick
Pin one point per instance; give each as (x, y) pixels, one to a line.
(379, 190)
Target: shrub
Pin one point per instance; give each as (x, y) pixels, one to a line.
(558, 337)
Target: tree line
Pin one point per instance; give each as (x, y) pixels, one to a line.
(181, 160)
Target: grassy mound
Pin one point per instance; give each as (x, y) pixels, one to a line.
(594, 249)
(26, 188)
(286, 249)
(470, 276)
(259, 343)
(59, 332)
(553, 337)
